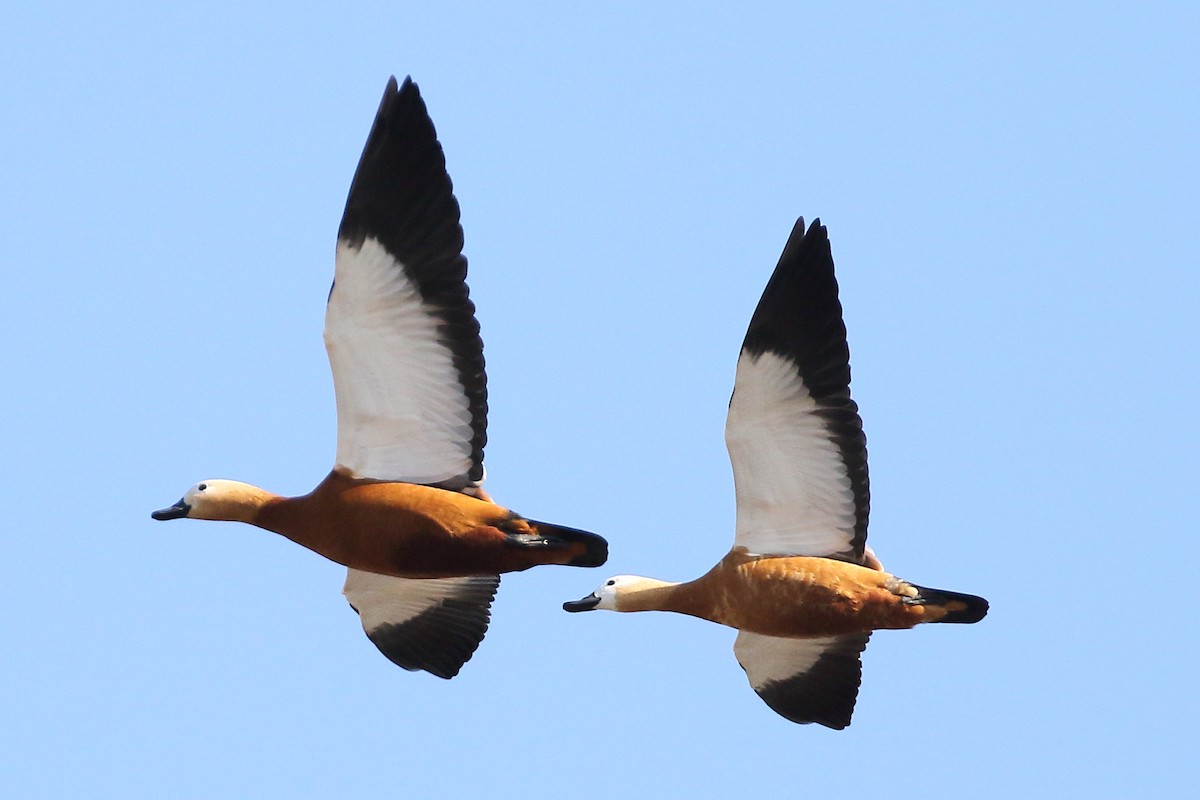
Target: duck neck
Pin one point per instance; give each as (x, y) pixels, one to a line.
(650, 594)
(239, 502)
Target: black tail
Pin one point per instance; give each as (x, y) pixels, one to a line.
(592, 549)
(962, 608)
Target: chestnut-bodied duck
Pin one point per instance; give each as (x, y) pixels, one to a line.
(800, 584)
(404, 507)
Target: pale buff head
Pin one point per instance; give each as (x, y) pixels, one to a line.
(217, 499)
(622, 593)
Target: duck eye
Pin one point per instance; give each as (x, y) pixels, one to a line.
(611, 583)
(202, 487)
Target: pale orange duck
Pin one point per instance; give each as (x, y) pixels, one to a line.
(800, 584)
(403, 507)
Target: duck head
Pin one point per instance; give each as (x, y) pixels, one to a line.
(618, 593)
(216, 499)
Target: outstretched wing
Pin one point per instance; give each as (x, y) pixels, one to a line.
(805, 680)
(408, 372)
(400, 328)
(794, 435)
(434, 624)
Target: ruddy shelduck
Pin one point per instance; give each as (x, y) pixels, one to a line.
(403, 507)
(800, 584)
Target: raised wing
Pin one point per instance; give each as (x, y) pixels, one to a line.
(434, 625)
(408, 372)
(400, 329)
(805, 680)
(794, 435)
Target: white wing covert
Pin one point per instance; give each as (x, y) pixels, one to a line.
(400, 327)
(794, 435)
(433, 625)
(805, 680)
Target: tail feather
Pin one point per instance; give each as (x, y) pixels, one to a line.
(591, 550)
(958, 607)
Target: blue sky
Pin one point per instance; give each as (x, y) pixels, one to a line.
(1011, 196)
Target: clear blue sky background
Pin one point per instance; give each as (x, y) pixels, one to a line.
(1012, 199)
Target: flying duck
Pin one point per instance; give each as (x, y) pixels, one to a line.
(403, 507)
(800, 584)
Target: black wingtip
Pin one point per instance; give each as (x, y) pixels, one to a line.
(394, 88)
(403, 169)
(826, 692)
(443, 638)
(800, 316)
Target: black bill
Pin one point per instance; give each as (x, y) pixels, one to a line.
(176, 511)
(582, 604)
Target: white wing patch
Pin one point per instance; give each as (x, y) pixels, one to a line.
(804, 680)
(402, 412)
(776, 658)
(431, 624)
(384, 600)
(793, 492)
